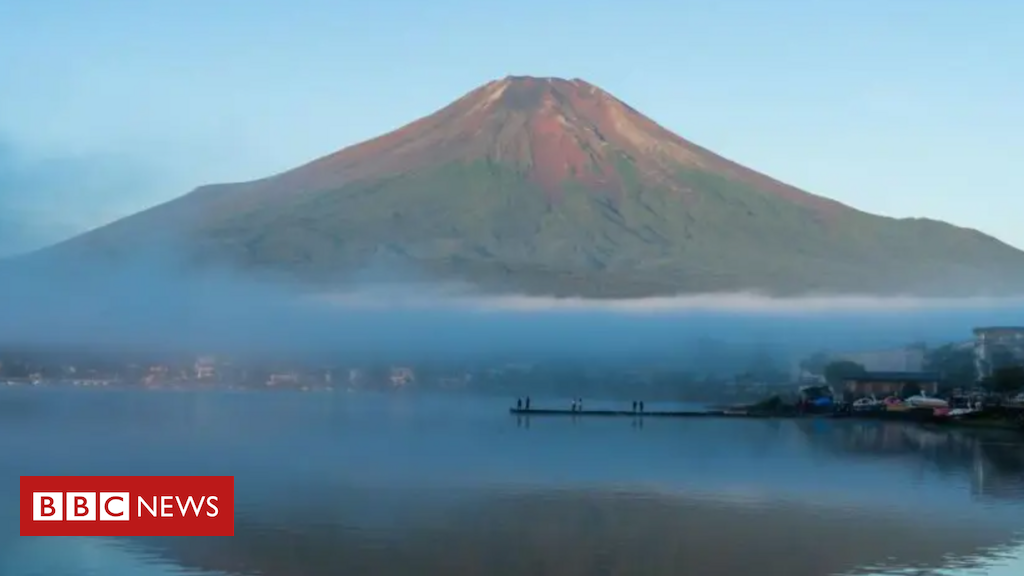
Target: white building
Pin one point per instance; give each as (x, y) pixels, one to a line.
(990, 342)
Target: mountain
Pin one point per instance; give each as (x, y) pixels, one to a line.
(545, 185)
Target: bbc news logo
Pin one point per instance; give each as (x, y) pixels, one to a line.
(127, 505)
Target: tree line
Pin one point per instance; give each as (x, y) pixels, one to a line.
(954, 364)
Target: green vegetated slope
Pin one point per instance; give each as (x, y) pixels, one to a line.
(489, 224)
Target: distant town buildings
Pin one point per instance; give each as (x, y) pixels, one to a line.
(205, 368)
(283, 378)
(996, 345)
(155, 374)
(402, 376)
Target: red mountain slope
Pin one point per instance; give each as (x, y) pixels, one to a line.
(557, 129)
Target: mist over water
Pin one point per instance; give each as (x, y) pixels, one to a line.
(159, 303)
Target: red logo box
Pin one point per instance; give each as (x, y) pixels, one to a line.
(127, 505)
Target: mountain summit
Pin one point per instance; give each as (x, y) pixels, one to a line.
(550, 129)
(545, 185)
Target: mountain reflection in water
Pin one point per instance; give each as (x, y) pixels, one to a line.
(569, 533)
(371, 484)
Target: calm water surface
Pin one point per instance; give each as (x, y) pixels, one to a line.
(424, 485)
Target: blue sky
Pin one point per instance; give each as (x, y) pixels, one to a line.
(901, 107)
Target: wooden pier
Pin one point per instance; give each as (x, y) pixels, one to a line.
(637, 414)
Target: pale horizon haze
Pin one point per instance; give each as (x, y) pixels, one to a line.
(906, 108)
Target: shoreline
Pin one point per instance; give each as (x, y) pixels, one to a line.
(919, 416)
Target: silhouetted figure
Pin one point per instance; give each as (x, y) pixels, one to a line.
(634, 405)
(573, 404)
(527, 402)
(641, 405)
(519, 403)
(579, 404)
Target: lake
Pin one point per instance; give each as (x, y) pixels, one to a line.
(448, 485)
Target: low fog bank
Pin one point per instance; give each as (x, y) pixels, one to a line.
(426, 295)
(159, 305)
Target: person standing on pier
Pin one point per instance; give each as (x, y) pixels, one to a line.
(579, 404)
(573, 404)
(634, 406)
(641, 405)
(519, 403)
(527, 402)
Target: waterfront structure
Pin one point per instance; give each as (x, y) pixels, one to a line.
(994, 345)
(882, 384)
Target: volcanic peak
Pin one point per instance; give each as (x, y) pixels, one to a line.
(552, 130)
(458, 194)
